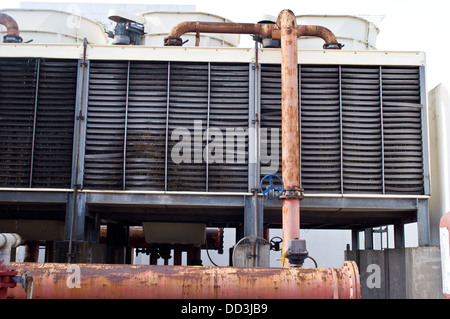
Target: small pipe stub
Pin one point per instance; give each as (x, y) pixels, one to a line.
(12, 39)
(333, 46)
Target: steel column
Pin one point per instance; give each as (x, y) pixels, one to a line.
(126, 129)
(167, 126)
(36, 96)
(423, 222)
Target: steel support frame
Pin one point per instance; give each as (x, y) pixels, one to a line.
(247, 201)
(253, 205)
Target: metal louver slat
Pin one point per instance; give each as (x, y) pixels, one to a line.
(55, 124)
(17, 104)
(188, 111)
(402, 115)
(105, 125)
(361, 130)
(228, 116)
(320, 129)
(270, 138)
(146, 127)
(37, 103)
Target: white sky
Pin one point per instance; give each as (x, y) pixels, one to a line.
(408, 25)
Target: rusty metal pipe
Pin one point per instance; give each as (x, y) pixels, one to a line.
(12, 29)
(320, 32)
(289, 127)
(98, 281)
(174, 38)
(267, 30)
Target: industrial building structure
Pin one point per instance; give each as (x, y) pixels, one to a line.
(103, 142)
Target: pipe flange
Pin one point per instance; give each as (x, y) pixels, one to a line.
(333, 46)
(296, 193)
(173, 41)
(12, 39)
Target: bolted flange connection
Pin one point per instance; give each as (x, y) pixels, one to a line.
(293, 193)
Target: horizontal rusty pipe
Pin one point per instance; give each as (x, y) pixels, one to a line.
(174, 38)
(269, 30)
(99, 281)
(12, 29)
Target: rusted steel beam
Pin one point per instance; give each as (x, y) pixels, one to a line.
(12, 29)
(97, 281)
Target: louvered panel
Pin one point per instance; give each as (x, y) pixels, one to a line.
(361, 130)
(105, 125)
(17, 100)
(146, 127)
(55, 124)
(402, 117)
(270, 139)
(320, 129)
(188, 103)
(228, 115)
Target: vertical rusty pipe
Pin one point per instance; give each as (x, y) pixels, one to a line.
(289, 126)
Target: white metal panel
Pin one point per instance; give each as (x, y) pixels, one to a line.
(439, 117)
(51, 26)
(342, 57)
(159, 24)
(210, 54)
(354, 32)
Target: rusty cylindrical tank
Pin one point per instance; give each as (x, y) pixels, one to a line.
(99, 281)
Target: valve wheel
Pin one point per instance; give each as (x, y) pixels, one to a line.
(272, 191)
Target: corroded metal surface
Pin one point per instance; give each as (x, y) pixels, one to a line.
(269, 30)
(289, 126)
(56, 281)
(12, 29)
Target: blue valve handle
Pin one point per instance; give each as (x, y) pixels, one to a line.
(269, 192)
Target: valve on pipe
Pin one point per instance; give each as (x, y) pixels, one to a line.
(9, 277)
